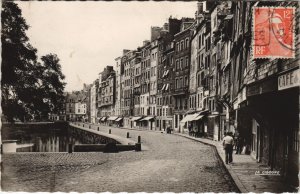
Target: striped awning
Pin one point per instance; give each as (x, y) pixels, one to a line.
(135, 118)
(112, 118)
(119, 119)
(147, 118)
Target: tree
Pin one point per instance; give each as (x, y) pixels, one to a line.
(29, 88)
(52, 83)
(18, 61)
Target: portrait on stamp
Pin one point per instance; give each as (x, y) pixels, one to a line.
(273, 32)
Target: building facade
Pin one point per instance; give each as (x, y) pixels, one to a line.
(145, 82)
(182, 60)
(94, 102)
(106, 94)
(118, 68)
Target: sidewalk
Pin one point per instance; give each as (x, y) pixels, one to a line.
(243, 169)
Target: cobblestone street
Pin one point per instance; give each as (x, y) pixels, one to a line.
(169, 163)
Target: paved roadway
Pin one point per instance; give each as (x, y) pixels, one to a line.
(169, 163)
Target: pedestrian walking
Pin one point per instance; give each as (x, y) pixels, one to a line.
(228, 147)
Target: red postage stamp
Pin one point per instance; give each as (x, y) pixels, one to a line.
(273, 32)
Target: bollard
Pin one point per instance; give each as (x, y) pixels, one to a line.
(70, 148)
(138, 147)
(127, 134)
(83, 125)
(139, 139)
(109, 131)
(98, 129)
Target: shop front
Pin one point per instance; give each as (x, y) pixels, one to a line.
(103, 120)
(186, 123)
(148, 123)
(167, 122)
(111, 120)
(119, 122)
(274, 109)
(135, 122)
(128, 123)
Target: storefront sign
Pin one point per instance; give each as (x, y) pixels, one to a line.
(258, 88)
(289, 80)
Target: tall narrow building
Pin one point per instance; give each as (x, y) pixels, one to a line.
(182, 70)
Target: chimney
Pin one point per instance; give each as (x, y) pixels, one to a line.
(166, 26)
(200, 7)
(155, 31)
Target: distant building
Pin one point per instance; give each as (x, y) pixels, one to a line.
(106, 94)
(145, 82)
(149, 121)
(118, 68)
(94, 102)
(182, 58)
(76, 106)
(165, 75)
(200, 59)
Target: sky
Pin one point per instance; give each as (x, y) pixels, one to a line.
(87, 36)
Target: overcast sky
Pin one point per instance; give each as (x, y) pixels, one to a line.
(87, 36)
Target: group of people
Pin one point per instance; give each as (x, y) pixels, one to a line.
(169, 129)
(194, 131)
(229, 142)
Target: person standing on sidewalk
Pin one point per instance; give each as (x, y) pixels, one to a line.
(228, 146)
(240, 144)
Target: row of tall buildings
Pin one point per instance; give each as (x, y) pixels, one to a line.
(198, 75)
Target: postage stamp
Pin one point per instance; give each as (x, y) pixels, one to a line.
(273, 32)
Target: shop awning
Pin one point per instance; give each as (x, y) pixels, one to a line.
(103, 119)
(119, 119)
(135, 118)
(198, 117)
(99, 118)
(147, 118)
(193, 116)
(112, 118)
(186, 118)
(189, 117)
